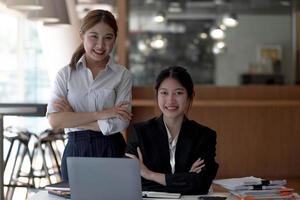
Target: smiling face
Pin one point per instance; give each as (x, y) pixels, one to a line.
(98, 42)
(172, 98)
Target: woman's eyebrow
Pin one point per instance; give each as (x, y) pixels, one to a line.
(93, 32)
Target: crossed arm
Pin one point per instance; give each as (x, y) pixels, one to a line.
(193, 179)
(67, 118)
(159, 177)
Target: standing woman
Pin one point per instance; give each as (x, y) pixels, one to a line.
(91, 97)
(176, 154)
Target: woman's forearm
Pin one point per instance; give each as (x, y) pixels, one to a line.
(90, 126)
(157, 177)
(74, 119)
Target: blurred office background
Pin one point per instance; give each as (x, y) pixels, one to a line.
(242, 54)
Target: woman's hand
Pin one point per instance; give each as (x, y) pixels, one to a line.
(197, 166)
(63, 105)
(120, 111)
(145, 172)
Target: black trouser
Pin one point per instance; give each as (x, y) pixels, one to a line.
(91, 144)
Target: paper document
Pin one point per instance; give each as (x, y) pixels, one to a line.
(235, 183)
(250, 183)
(61, 186)
(163, 195)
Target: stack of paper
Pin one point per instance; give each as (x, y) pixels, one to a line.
(256, 187)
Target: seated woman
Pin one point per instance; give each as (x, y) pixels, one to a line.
(175, 154)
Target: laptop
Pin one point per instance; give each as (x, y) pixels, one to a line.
(93, 178)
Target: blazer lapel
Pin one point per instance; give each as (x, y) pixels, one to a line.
(163, 143)
(183, 147)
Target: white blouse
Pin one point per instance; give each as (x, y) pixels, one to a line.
(85, 94)
(172, 148)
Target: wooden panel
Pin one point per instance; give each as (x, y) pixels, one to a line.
(232, 93)
(260, 141)
(296, 38)
(122, 48)
(247, 92)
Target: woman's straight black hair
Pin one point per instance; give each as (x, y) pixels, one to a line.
(178, 73)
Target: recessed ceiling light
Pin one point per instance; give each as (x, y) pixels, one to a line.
(230, 20)
(285, 3)
(203, 35)
(82, 9)
(217, 33)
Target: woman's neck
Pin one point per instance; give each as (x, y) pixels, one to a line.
(96, 64)
(173, 124)
(96, 67)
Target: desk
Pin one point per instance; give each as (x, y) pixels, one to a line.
(43, 195)
(16, 110)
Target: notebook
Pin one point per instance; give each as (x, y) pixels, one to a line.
(104, 178)
(61, 189)
(161, 195)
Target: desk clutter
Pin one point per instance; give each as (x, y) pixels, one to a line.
(257, 188)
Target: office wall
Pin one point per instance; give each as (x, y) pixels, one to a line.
(243, 41)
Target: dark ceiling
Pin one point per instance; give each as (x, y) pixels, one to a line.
(202, 14)
(208, 6)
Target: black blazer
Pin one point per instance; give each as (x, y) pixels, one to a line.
(194, 141)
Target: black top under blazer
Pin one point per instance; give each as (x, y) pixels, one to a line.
(194, 141)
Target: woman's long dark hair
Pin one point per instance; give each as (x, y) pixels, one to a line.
(91, 19)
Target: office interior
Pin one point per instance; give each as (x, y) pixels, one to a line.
(247, 74)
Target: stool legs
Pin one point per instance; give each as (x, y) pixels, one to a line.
(57, 165)
(9, 152)
(16, 170)
(43, 148)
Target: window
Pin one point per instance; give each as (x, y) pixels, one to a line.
(22, 75)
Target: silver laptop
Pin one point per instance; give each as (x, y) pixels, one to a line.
(104, 178)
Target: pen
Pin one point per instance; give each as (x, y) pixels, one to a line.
(266, 182)
(258, 187)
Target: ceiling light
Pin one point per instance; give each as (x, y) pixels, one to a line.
(216, 50)
(159, 17)
(24, 4)
(142, 46)
(203, 35)
(217, 33)
(174, 7)
(230, 20)
(62, 13)
(285, 3)
(47, 14)
(223, 27)
(220, 44)
(220, 2)
(158, 42)
(83, 9)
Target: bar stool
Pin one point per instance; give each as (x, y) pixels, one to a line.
(21, 138)
(44, 146)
